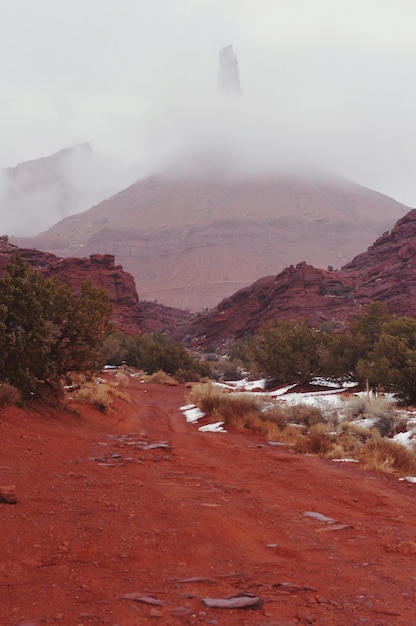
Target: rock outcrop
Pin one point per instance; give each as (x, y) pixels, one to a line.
(189, 243)
(323, 298)
(228, 73)
(118, 284)
(387, 271)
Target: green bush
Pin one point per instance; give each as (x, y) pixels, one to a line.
(46, 332)
(152, 353)
(287, 351)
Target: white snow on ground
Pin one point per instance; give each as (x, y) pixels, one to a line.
(328, 400)
(246, 385)
(193, 414)
(217, 427)
(331, 399)
(324, 382)
(406, 439)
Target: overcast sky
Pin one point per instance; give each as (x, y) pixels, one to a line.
(325, 82)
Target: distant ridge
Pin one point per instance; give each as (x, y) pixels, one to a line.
(386, 272)
(189, 243)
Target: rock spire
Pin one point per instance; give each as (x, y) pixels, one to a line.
(229, 74)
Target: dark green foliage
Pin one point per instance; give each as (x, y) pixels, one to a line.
(45, 332)
(337, 357)
(366, 327)
(379, 351)
(391, 363)
(152, 353)
(287, 351)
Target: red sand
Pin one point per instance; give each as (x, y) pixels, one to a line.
(225, 510)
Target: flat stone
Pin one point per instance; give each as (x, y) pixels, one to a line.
(8, 494)
(319, 517)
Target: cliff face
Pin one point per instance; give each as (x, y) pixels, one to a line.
(189, 243)
(386, 273)
(321, 297)
(72, 271)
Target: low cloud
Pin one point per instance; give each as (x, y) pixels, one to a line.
(325, 87)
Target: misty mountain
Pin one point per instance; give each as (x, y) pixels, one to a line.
(35, 194)
(190, 242)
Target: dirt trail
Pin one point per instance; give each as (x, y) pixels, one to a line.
(100, 517)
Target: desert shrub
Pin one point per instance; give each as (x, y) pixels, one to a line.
(276, 414)
(152, 353)
(236, 409)
(385, 425)
(337, 451)
(384, 414)
(187, 376)
(349, 441)
(388, 456)
(360, 433)
(9, 394)
(318, 440)
(401, 425)
(45, 331)
(273, 431)
(206, 396)
(227, 369)
(240, 403)
(250, 420)
(287, 350)
(305, 414)
(380, 410)
(99, 394)
(160, 378)
(122, 377)
(355, 406)
(292, 434)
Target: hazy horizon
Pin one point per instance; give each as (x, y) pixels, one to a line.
(326, 85)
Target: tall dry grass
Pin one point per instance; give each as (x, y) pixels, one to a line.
(97, 393)
(9, 395)
(385, 455)
(159, 378)
(245, 410)
(310, 429)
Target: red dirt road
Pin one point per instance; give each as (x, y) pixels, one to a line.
(218, 515)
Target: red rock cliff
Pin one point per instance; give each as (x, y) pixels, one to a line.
(73, 271)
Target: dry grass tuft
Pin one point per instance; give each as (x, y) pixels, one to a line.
(160, 378)
(122, 377)
(207, 397)
(317, 441)
(99, 394)
(388, 456)
(305, 414)
(310, 429)
(9, 394)
(292, 435)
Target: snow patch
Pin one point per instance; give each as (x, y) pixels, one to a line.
(217, 427)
